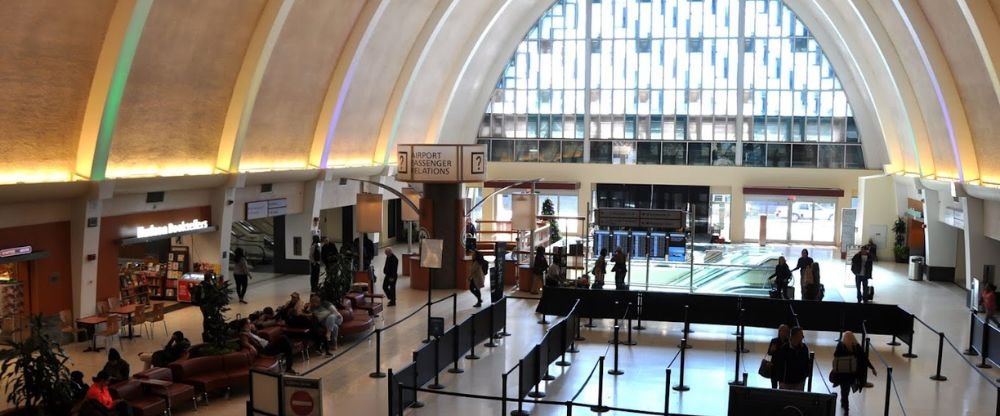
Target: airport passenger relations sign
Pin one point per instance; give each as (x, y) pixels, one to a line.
(445, 163)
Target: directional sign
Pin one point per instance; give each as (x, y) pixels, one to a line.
(302, 396)
(669, 219)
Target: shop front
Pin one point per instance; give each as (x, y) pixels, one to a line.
(154, 256)
(35, 270)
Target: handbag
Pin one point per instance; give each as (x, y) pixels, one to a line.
(845, 364)
(765, 368)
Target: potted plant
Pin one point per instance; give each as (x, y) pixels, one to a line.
(899, 249)
(214, 303)
(548, 208)
(337, 281)
(35, 376)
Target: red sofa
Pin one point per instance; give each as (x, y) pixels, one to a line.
(356, 321)
(166, 388)
(218, 372)
(137, 395)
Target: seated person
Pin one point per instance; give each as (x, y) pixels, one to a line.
(293, 313)
(174, 350)
(327, 323)
(267, 318)
(100, 398)
(78, 386)
(116, 368)
(555, 273)
(279, 346)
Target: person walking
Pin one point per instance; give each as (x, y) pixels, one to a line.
(791, 362)
(861, 266)
(782, 275)
(391, 272)
(804, 262)
(477, 277)
(620, 268)
(538, 268)
(241, 273)
(850, 368)
(315, 263)
(772, 349)
(600, 269)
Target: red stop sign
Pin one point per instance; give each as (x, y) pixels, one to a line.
(301, 403)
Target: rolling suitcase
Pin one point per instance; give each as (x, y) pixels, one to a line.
(869, 293)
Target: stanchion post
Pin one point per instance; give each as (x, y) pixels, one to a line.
(454, 309)
(687, 330)
(493, 330)
(472, 342)
(812, 366)
(666, 394)
(984, 347)
(630, 341)
(590, 323)
(600, 408)
(639, 307)
(520, 400)
(868, 345)
(616, 371)
(392, 395)
(503, 394)
(683, 347)
(562, 357)
(972, 329)
(937, 375)
(416, 403)
(378, 355)
(569, 408)
(430, 302)
(893, 343)
(543, 321)
(456, 355)
(579, 335)
(888, 388)
(437, 364)
(736, 369)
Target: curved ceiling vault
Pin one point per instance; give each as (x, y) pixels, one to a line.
(162, 88)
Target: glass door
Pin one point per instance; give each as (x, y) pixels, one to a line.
(792, 219)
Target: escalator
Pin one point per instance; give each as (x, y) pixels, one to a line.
(256, 238)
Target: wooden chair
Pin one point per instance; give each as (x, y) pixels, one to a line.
(69, 325)
(103, 308)
(114, 302)
(12, 330)
(157, 316)
(140, 318)
(112, 330)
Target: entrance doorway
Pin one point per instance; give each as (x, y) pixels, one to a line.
(792, 219)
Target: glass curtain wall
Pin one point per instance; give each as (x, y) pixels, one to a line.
(676, 82)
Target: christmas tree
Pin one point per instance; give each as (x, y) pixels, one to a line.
(548, 208)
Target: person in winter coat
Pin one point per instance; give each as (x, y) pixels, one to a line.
(782, 275)
(861, 266)
(620, 268)
(391, 272)
(850, 367)
(791, 362)
(477, 276)
(538, 268)
(776, 344)
(600, 269)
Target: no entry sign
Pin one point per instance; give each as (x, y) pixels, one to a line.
(302, 396)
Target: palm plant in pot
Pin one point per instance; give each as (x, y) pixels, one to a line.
(214, 303)
(899, 249)
(337, 281)
(35, 376)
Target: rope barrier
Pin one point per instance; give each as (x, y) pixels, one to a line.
(536, 402)
(886, 365)
(959, 352)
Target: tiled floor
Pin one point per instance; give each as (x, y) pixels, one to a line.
(348, 390)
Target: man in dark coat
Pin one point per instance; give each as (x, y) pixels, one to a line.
(861, 266)
(391, 274)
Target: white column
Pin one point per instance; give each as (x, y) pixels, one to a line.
(740, 83)
(979, 249)
(588, 4)
(941, 239)
(84, 242)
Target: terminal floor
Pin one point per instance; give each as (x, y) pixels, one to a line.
(710, 364)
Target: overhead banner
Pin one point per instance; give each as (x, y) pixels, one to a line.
(444, 163)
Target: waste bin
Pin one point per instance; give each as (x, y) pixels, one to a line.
(916, 267)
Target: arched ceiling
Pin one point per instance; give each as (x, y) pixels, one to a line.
(127, 88)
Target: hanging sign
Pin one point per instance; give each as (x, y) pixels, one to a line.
(170, 228)
(15, 251)
(267, 208)
(440, 163)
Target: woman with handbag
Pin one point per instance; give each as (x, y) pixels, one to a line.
(766, 365)
(477, 277)
(600, 269)
(850, 367)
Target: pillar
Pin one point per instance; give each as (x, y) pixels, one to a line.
(443, 214)
(85, 240)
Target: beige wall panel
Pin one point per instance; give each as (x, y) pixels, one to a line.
(291, 95)
(178, 90)
(377, 71)
(972, 78)
(48, 52)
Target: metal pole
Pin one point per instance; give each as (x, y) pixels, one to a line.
(666, 394)
(590, 323)
(616, 371)
(972, 329)
(409, 237)
(493, 330)
(649, 243)
(639, 306)
(416, 403)
(572, 346)
(472, 341)
(985, 346)
(937, 376)
(681, 386)
(893, 343)
(430, 273)
(503, 394)
(455, 355)
(888, 389)
(579, 337)
(437, 364)
(736, 369)
(378, 355)
(812, 365)
(543, 321)
(628, 252)
(520, 400)
(454, 309)
(687, 329)
(390, 394)
(600, 408)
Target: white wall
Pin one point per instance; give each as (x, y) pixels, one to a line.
(132, 203)
(877, 211)
(991, 219)
(16, 215)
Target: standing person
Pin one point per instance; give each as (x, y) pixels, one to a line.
(600, 269)
(477, 277)
(620, 268)
(470, 235)
(315, 263)
(279, 345)
(116, 368)
(861, 266)
(850, 367)
(391, 271)
(803, 262)
(791, 362)
(328, 252)
(776, 343)
(99, 393)
(873, 250)
(988, 300)
(241, 273)
(782, 275)
(538, 268)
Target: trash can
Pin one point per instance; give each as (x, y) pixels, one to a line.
(916, 267)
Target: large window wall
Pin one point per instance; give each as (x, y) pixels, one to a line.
(678, 82)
